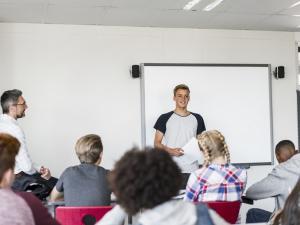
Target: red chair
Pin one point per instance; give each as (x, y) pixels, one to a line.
(229, 211)
(84, 215)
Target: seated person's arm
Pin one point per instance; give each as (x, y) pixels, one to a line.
(58, 189)
(270, 186)
(56, 195)
(158, 144)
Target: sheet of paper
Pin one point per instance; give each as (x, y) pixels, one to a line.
(189, 166)
(192, 151)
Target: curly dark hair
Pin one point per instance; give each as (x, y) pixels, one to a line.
(143, 179)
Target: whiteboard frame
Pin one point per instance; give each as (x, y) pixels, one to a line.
(143, 119)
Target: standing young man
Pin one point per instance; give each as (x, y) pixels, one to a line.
(14, 106)
(174, 129)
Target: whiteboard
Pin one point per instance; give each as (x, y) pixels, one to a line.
(232, 98)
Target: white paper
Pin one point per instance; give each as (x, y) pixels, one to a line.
(192, 151)
(188, 166)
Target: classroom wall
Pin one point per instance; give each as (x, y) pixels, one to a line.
(76, 81)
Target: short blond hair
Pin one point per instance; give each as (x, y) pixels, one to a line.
(88, 148)
(181, 86)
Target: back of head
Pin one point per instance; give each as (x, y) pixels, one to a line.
(9, 98)
(212, 144)
(9, 148)
(285, 144)
(284, 150)
(88, 148)
(143, 179)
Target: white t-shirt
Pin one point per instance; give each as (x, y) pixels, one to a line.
(178, 130)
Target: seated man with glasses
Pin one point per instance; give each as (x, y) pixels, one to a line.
(14, 106)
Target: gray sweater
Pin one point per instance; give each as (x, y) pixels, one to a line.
(278, 183)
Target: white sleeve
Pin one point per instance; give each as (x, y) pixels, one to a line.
(270, 186)
(116, 216)
(23, 160)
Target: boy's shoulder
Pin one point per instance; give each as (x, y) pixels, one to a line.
(82, 169)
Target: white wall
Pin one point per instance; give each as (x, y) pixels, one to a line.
(76, 80)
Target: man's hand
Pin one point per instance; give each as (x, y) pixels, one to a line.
(175, 151)
(45, 173)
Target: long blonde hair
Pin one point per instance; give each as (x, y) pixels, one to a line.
(212, 144)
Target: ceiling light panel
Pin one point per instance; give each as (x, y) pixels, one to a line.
(213, 5)
(267, 7)
(295, 4)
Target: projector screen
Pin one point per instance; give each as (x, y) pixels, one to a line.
(232, 98)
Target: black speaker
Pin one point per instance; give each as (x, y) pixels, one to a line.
(135, 71)
(279, 72)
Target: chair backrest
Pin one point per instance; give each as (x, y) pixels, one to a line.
(227, 210)
(83, 215)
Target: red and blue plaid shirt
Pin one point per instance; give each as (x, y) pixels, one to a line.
(216, 183)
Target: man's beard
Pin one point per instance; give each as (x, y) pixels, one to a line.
(21, 115)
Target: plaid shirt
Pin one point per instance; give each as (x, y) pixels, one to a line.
(216, 183)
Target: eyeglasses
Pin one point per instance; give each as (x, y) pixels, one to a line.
(24, 103)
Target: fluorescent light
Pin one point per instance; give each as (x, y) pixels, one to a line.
(212, 5)
(295, 4)
(191, 4)
(296, 15)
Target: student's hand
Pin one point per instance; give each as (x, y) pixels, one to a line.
(175, 151)
(45, 173)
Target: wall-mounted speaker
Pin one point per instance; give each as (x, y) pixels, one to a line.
(135, 71)
(279, 72)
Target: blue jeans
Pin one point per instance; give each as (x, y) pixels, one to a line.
(256, 215)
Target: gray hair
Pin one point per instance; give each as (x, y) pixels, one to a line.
(9, 98)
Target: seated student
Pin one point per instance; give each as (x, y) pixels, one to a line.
(84, 184)
(277, 184)
(217, 180)
(284, 150)
(14, 107)
(290, 215)
(9, 147)
(13, 209)
(147, 180)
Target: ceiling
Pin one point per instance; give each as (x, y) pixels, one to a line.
(275, 15)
